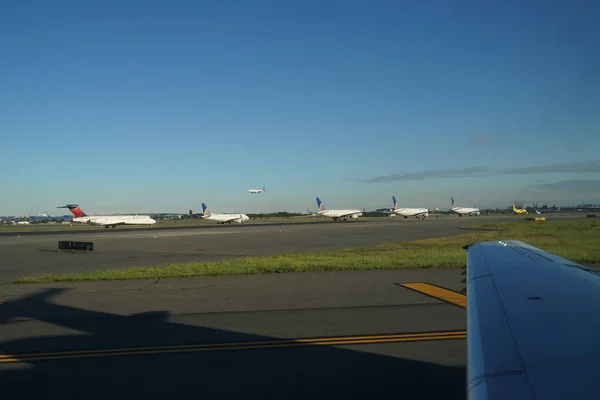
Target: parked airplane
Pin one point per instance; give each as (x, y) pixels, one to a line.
(419, 213)
(256, 191)
(107, 220)
(519, 211)
(223, 218)
(337, 214)
(532, 324)
(464, 210)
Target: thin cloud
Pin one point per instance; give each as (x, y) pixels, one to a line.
(479, 138)
(572, 168)
(431, 174)
(581, 167)
(573, 185)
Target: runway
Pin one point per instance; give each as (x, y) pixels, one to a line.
(357, 334)
(320, 335)
(35, 255)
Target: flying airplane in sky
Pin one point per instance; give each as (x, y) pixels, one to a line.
(464, 210)
(256, 191)
(223, 218)
(518, 211)
(107, 220)
(337, 214)
(532, 324)
(419, 213)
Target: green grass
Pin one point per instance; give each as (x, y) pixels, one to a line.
(574, 240)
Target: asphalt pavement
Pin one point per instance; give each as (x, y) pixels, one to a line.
(349, 335)
(352, 335)
(36, 255)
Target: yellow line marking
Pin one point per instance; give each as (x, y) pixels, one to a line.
(438, 292)
(351, 340)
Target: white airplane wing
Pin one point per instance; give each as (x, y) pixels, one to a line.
(228, 218)
(113, 222)
(533, 324)
(347, 214)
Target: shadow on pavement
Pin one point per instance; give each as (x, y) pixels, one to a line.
(282, 373)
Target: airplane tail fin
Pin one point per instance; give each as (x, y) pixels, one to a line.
(75, 210)
(264, 189)
(320, 204)
(452, 198)
(395, 202)
(205, 211)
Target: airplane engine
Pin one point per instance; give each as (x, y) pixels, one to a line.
(97, 221)
(354, 216)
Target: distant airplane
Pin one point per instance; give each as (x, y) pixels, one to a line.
(223, 218)
(337, 214)
(107, 220)
(518, 211)
(464, 210)
(256, 191)
(419, 213)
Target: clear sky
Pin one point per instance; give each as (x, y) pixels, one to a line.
(125, 106)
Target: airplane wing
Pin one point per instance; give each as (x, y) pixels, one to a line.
(533, 324)
(348, 214)
(231, 218)
(111, 223)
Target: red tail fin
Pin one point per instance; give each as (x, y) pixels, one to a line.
(75, 210)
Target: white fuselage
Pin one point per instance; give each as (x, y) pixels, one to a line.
(223, 218)
(465, 211)
(341, 213)
(107, 220)
(412, 212)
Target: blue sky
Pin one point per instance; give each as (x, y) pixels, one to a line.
(160, 106)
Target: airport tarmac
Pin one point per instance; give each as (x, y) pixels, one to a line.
(357, 334)
(35, 255)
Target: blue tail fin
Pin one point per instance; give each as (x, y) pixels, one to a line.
(320, 204)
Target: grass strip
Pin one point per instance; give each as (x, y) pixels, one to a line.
(577, 241)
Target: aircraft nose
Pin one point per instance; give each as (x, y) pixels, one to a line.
(152, 221)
